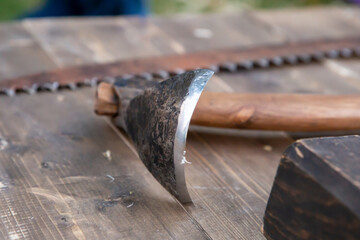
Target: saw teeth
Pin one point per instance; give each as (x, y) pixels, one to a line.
(305, 58)
(52, 87)
(346, 53)
(357, 52)
(246, 65)
(263, 63)
(146, 76)
(177, 71)
(292, 59)
(9, 92)
(92, 82)
(333, 54)
(277, 61)
(229, 66)
(31, 90)
(318, 56)
(161, 74)
(71, 86)
(214, 68)
(110, 80)
(127, 76)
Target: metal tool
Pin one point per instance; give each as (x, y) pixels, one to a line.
(234, 59)
(157, 121)
(156, 116)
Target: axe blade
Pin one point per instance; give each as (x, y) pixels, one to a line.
(157, 121)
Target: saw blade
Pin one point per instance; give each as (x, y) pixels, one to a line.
(231, 60)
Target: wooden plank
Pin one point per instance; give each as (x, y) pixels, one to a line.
(347, 70)
(65, 185)
(74, 41)
(216, 31)
(312, 23)
(18, 51)
(230, 178)
(47, 180)
(313, 78)
(109, 39)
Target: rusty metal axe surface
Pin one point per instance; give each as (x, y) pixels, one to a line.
(156, 116)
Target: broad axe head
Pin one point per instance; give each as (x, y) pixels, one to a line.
(156, 116)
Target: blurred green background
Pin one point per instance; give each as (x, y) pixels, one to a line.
(178, 6)
(10, 9)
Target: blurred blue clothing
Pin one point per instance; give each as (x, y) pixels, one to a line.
(57, 8)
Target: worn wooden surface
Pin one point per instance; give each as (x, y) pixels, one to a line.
(67, 174)
(316, 191)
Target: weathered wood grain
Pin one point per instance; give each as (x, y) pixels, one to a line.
(310, 23)
(55, 166)
(19, 51)
(79, 176)
(77, 41)
(215, 31)
(316, 191)
(306, 79)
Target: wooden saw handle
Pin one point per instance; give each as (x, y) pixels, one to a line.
(287, 112)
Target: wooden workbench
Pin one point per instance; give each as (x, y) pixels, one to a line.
(68, 174)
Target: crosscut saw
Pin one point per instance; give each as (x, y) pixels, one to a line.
(233, 59)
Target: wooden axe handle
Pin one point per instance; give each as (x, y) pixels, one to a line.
(288, 112)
